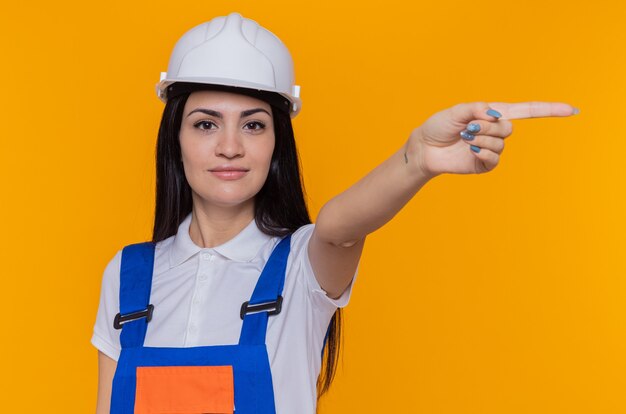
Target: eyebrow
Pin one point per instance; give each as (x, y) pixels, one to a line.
(219, 115)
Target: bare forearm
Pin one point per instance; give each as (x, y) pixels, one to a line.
(373, 200)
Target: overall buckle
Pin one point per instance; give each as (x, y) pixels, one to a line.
(273, 307)
(122, 319)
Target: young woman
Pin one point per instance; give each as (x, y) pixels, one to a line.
(231, 305)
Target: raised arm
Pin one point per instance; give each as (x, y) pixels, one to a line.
(464, 139)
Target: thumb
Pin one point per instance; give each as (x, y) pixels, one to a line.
(466, 112)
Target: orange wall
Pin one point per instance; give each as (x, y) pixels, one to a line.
(498, 293)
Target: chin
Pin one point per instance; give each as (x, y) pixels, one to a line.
(226, 199)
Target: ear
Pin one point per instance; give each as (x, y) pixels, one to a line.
(275, 167)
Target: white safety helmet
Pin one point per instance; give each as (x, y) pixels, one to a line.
(232, 51)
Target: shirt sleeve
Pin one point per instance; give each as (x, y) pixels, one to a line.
(105, 337)
(300, 248)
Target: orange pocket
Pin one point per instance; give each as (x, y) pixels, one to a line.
(184, 390)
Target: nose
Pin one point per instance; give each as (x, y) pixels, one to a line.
(229, 144)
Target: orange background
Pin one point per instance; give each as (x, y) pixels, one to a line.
(497, 293)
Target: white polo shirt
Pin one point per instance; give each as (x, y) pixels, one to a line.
(197, 295)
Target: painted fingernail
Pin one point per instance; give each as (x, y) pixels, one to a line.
(473, 128)
(493, 112)
(575, 111)
(467, 136)
(474, 148)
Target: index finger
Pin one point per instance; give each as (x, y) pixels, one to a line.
(524, 110)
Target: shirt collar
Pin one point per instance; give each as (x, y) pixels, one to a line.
(241, 248)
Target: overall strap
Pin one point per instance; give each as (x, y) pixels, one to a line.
(266, 299)
(135, 285)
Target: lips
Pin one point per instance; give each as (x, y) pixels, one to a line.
(229, 172)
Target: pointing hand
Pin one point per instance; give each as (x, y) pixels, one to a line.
(469, 138)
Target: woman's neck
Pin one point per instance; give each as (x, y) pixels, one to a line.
(212, 226)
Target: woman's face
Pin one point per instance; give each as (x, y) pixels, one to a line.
(227, 141)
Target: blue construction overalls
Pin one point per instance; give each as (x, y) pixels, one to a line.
(251, 375)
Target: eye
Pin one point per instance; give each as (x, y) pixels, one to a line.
(255, 125)
(205, 125)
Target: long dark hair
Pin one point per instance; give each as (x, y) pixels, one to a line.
(280, 206)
